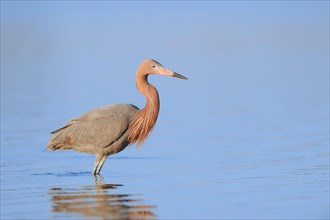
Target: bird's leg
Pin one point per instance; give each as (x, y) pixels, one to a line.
(99, 167)
(97, 162)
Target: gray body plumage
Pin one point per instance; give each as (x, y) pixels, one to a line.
(102, 131)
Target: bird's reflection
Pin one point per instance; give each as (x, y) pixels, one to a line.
(100, 201)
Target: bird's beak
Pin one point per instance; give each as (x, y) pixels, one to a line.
(168, 72)
(179, 76)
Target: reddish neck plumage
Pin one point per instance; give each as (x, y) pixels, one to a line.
(145, 119)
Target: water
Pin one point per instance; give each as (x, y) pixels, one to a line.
(246, 137)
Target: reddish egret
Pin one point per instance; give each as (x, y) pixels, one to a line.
(108, 130)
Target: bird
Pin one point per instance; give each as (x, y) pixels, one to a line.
(109, 129)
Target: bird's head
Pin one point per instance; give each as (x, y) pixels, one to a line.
(154, 67)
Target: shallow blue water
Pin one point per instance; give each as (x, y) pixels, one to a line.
(246, 137)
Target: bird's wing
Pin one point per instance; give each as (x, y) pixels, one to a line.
(87, 116)
(65, 126)
(97, 128)
(100, 131)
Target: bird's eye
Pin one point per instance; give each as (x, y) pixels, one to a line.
(153, 66)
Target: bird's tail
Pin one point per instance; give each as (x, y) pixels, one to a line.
(52, 146)
(54, 143)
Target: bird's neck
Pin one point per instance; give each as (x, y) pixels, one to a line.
(145, 119)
